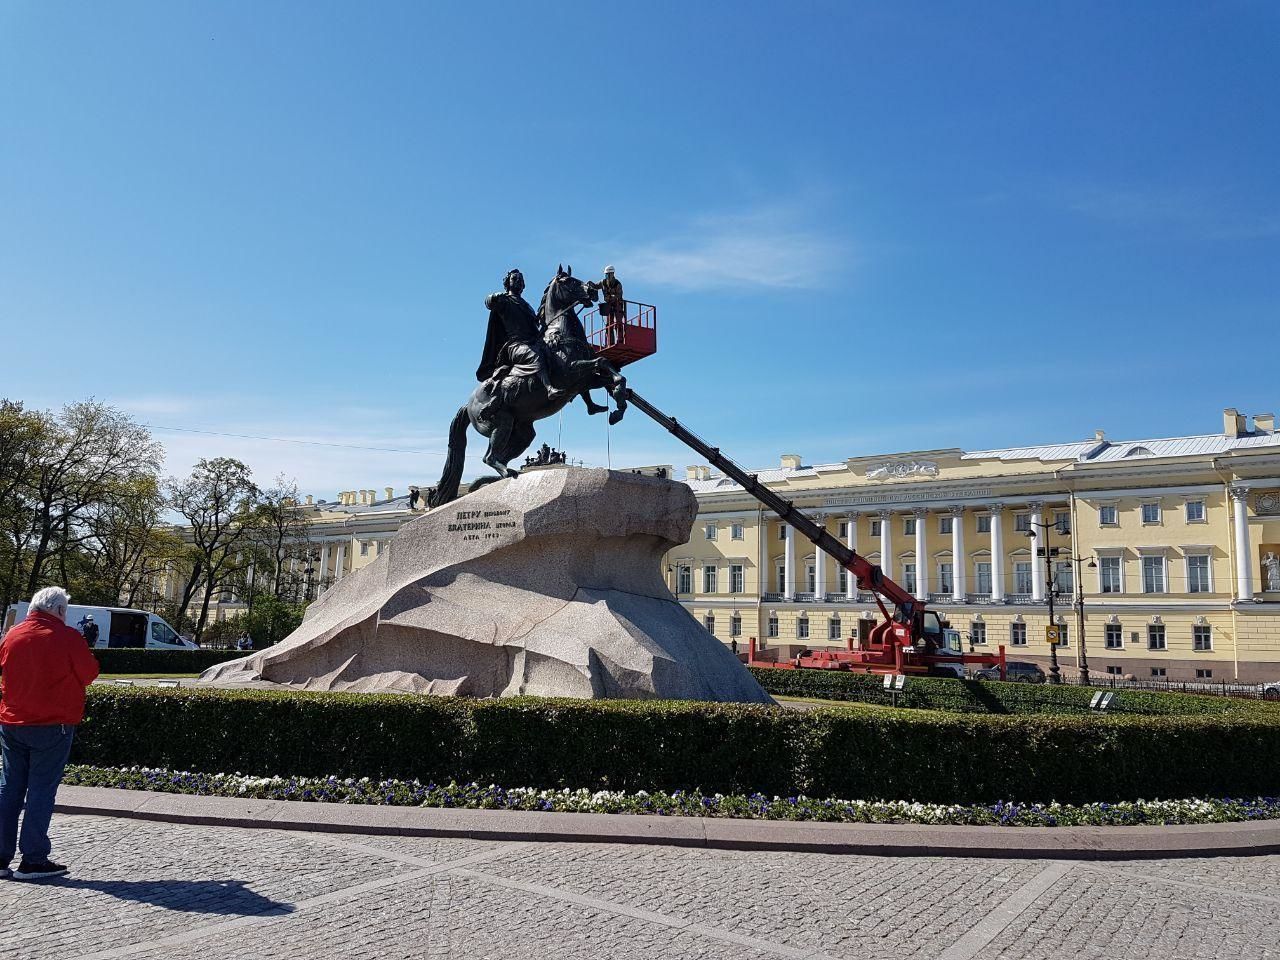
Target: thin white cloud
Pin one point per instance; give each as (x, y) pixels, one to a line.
(769, 248)
(1212, 216)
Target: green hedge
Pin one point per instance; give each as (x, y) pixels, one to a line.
(851, 752)
(986, 696)
(161, 662)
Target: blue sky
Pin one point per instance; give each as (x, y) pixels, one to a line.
(868, 227)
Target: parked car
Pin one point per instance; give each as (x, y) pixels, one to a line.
(1271, 691)
(117, 627)
(1017, 671)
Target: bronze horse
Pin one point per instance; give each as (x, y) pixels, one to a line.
(573, 368)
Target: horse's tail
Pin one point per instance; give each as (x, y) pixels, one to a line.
(447, 489)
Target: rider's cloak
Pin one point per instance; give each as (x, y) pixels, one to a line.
(510, 318)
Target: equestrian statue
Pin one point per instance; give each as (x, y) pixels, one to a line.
(533, 365)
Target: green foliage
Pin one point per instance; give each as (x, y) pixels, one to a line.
(853, 752)
(985, 696)
(158, 663)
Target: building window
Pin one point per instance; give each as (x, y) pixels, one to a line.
(1017, 634)
(978, 633)
(364, 548)
(709, 578)
(1064, 635)
(1195, 511)
(909, 577)
(909, 525)
(1155, 637)
(842, 529)
(1158, 672)
(946, 577)
(709, 621)
(842, 580)
(735, 531)
(1107, 515)
(1062, 520)
(1153, 574)
(735, 578)
(944, 524)
(833, 629)
(782, 579)
(1151, 513)
(984, 523)
(802, 628)
(1198, 573)
(684, 579)
(982, 576)
(1204, 674)
(1113, 671)
(810, 577)
(1115, 636)
(1109, 574)
(1063, 578)
(1202, 638)
(875, 528)
(782, 531)
(1022, 576)
(771, 627)
(1022, 522)
(735, 625)
(709, 531)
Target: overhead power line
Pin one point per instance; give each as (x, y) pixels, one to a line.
(309, 443)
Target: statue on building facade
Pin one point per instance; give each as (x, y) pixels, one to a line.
(532, 366)
(1271, 572)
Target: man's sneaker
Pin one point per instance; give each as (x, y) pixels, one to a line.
(38, 871)
(5, 872)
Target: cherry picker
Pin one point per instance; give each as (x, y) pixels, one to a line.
(909, 639)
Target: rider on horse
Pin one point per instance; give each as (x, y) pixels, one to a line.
(514, 353)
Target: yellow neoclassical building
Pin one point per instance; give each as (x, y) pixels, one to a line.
(1174, 544)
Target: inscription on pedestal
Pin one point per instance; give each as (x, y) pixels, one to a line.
(482, 524)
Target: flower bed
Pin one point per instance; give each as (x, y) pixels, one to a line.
(675, 803)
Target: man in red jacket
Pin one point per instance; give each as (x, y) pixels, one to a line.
(45, 667)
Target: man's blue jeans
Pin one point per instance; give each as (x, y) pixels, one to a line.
(31, 769)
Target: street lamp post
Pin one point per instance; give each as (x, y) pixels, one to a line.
(1084, 654)
(1055, 672)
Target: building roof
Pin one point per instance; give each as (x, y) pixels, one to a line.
(1080, 451)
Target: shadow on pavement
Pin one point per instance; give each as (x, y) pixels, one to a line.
(226, 897)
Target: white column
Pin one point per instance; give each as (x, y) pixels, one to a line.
(324, 565)
(886, 543)
(997, 551)
(1244, 553)
(957, 554)
(1040, 540)
(851, 541)
(235, 596)
(789, 565)
(819, 564)
(340, 561)
(922, 553)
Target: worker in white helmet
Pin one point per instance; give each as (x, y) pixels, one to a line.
(614, 308)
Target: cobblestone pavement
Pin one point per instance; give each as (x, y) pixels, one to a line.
(176, 892)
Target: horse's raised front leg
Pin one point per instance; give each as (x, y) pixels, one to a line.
(592, 407)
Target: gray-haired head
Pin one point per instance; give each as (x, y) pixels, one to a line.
(52, 600)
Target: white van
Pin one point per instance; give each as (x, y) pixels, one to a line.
(117, 627)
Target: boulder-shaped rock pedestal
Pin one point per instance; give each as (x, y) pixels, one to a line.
(548, 584)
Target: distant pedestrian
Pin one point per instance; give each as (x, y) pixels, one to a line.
(45, 667)
(245, 642)
(90, 630)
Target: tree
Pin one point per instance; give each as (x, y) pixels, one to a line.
(23, 439)
(86, 450)
(129, 545)
(217, 500)
(280, 530)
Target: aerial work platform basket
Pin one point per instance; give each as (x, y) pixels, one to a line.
(622, 341)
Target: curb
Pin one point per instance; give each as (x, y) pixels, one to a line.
(867, 839)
